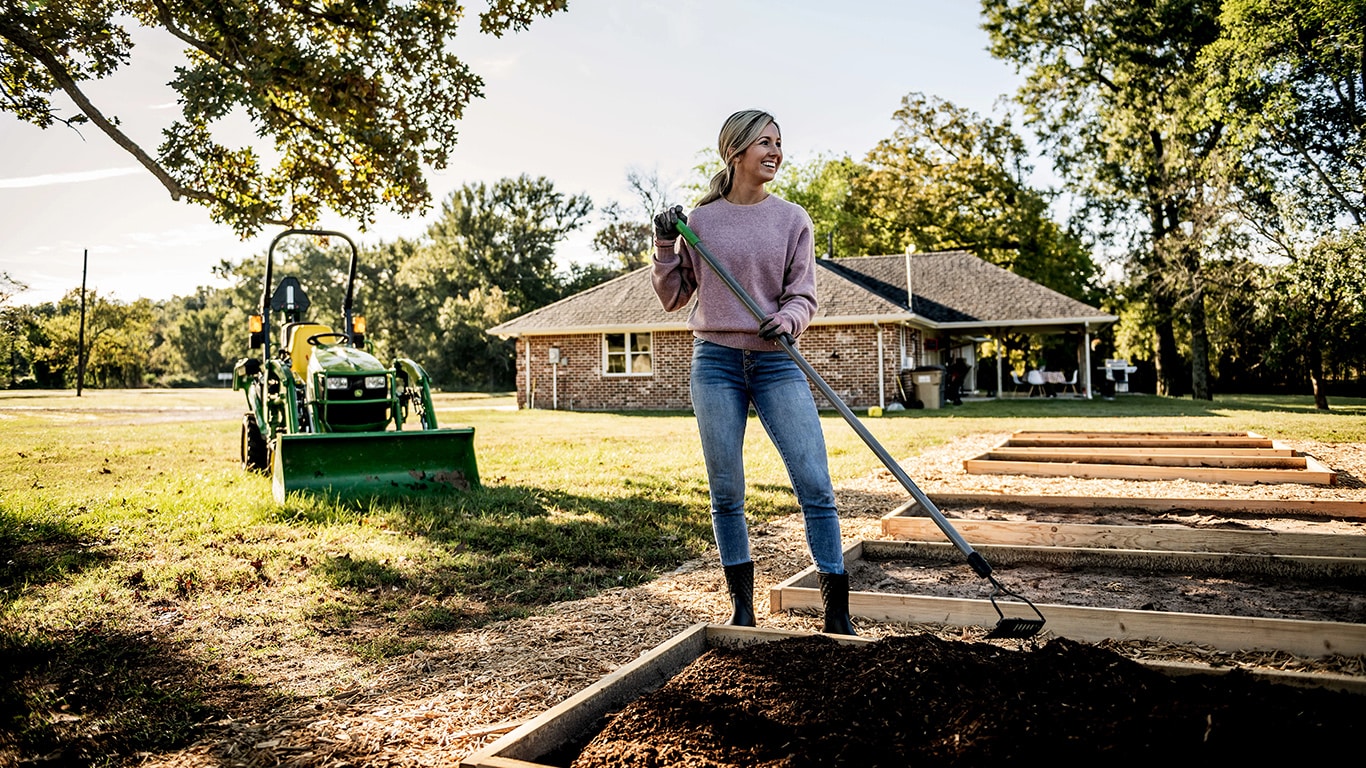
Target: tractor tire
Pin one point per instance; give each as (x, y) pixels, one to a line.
(255, 452)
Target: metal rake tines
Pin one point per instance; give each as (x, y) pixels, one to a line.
(1014, 626)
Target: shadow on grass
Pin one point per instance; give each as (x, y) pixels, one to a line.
(36, 552)
(504, 551)
(98, 697)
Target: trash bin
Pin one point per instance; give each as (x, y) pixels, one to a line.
(928, 385)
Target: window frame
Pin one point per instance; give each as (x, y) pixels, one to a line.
(630, 354)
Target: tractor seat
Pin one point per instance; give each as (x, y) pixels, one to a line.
(294, 339)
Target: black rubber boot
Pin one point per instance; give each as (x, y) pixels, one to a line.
(740, 583)
(835, 595)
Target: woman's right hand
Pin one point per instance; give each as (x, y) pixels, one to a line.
(666, 223)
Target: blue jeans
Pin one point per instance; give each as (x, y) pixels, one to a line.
(725, 381)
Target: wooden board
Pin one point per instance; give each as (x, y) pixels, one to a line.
(1084, 623)
(574, 717)
(906, 524)
(1344, 509)
(1188, 458)
(984, 466)
(1202, 457)
(1140, 439)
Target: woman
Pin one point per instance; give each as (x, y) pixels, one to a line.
(766, 243)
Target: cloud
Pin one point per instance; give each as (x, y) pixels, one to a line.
(53, 179)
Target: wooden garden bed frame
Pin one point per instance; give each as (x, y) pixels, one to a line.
(575, 717)
(1345, 509)
(909, 523)
(1212, 457)
(1086, 623)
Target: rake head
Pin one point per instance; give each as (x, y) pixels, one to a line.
(1014, 627)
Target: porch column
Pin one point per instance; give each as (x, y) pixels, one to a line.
(1000, 363)
(881, 370)
(1086, 345)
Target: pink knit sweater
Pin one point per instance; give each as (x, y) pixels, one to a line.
(767, 247)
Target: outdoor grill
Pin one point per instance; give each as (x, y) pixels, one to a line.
(1118, 371)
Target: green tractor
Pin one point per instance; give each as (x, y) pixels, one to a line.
(324, 416)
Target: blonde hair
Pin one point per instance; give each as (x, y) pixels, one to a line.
(737, 133)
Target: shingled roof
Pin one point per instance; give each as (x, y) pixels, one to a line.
(951, 289)
(956, 288)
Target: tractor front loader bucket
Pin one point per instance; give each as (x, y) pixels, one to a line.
(359, 465)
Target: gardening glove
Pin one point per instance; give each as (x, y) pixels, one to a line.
(666, 223)
(771, 328)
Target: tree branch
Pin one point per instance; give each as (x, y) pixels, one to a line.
(30, 45)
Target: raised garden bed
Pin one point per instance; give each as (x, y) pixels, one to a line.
(1069, 525)
(1213, 457)
(1305, 606)
(724, 696)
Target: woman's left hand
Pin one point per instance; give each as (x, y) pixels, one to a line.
(771, 328)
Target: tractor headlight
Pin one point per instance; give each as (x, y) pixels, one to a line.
(337, 382)
(376, 382)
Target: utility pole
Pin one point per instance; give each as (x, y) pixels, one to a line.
(80, 343)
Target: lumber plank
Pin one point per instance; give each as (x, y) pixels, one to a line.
(1086, 434)
(1147, 560)
(1191, 458)
(1163, 450)
(1088, 624)
(577, 714)
(1350, 509)
(981, 466)
(1134, 537)
(1136, 439)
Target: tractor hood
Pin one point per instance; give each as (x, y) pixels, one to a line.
(340, 359)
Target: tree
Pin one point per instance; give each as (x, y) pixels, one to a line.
(119, 339)
(1291, 86)
(824, 187)
(950, 179)
(193, 335)
(357, 98)
(501, 236)
(1317, 310)
(12, 347)
(1115, 91)
(489, 256)
(628, 235)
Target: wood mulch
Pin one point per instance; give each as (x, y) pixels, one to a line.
(466, 688)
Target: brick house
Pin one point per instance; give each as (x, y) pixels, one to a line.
(612, 347)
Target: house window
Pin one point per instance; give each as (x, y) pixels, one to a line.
(627, 353)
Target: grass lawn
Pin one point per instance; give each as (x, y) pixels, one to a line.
(121, 511)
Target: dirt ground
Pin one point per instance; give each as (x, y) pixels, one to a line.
(467, 688)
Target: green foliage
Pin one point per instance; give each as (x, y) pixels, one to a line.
(1115, 91)
(355, 99)
(501, 236)
(118, 340)
(949, 179)
(823, 186)
(1317, 311)
(1288, 84)
(628, 235)
(194, 336)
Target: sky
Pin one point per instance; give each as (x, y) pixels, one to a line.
(581, 98)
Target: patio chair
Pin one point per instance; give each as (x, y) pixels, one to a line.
(1017, 386)
(1035, 379)
(1071, 384)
